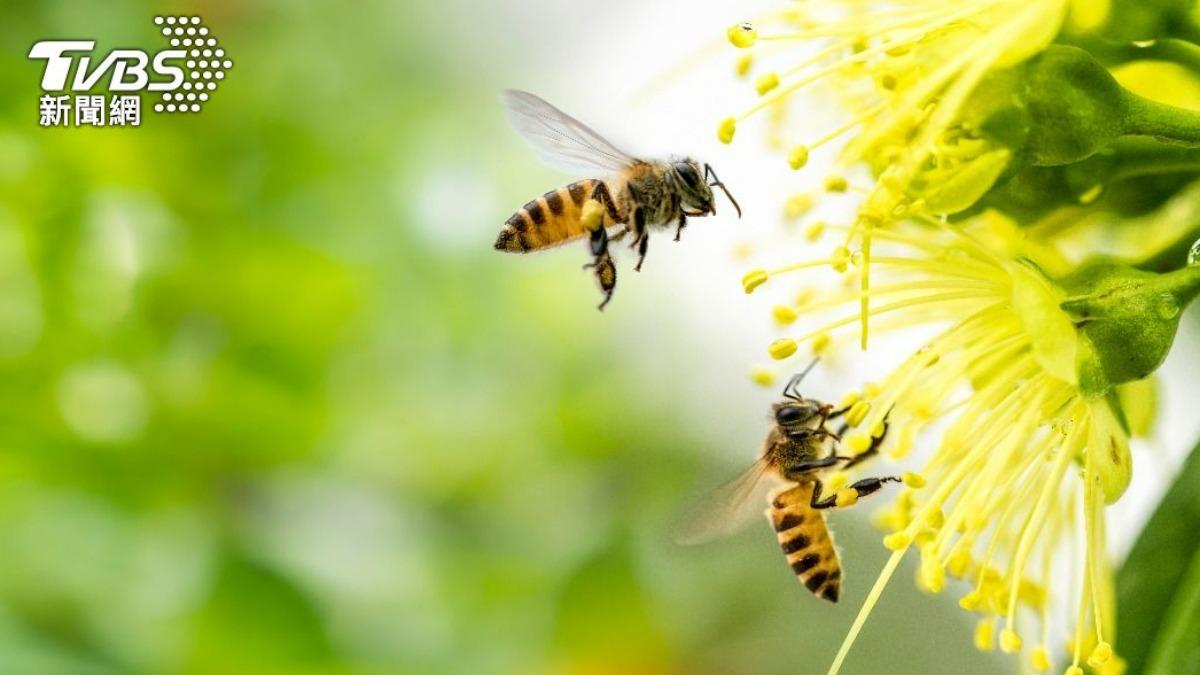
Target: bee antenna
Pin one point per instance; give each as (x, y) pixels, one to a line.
(716, 182)
(790, 390)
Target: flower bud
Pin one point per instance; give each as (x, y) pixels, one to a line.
(1075, 106)
(1126, 319)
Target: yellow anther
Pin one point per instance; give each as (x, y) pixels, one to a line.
(753, 279)
(1009, 641)
(878, 429)
(850, 399)
(858, 443)
(591, 215)
(743, 250)
(814, 231)
(766, 82)
(836, 481)
(933, 575)
(985, 636)
(797, 205)
(821, 343)
(763, 376)
(847, 497)
(913, 480)
(798, 157)
(742, 35)
(727, 129)
(841, 258)
(936, 519)
(743, 65)
(1074, 670)
(784, 315)
(1100, 655)
(871, 389)
(782, 348)
(860, 44)
(835, 183)
(888, 82)
(897, 541)
(904, 444)
(858, 412)
(959, 563)
(805, 296)
(1040, 659)
(970, 602)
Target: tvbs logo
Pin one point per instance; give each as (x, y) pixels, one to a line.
(182, 77)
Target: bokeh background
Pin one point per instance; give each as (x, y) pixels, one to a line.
(270, 402)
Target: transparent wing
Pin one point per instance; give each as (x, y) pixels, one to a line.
(728, 508)
(561, 140)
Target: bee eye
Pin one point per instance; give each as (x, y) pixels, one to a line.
(789, 415)
(687, 173)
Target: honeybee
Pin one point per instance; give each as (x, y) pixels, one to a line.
(798, 449)
(636, 194)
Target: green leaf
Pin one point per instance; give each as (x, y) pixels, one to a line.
(1158, 588)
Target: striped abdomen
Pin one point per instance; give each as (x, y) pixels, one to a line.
(550, 220)
(806, 542)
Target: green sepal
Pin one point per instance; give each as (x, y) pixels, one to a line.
(1126, 319)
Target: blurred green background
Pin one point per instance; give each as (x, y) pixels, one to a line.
(269, 402)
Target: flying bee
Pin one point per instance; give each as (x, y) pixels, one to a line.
(798, 449)
(636, 195)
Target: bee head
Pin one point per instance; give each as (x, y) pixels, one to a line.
(695, 187)
(797, 414)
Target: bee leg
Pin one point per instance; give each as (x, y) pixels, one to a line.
(620, 235)
(682, 224)
(872, 450)
(861, 489)
(605, 270)
(606, 276)
(643, 246)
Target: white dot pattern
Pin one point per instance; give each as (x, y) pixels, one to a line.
(206, 63)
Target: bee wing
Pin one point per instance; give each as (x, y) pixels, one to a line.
(561, 140)
(728, 507)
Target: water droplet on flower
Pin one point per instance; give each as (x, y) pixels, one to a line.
(1167, 307)
(1194, 254)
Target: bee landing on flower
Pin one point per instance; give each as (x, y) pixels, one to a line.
(1021, 384)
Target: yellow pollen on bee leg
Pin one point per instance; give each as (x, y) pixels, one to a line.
(591, 215)
(847, 497)
(782, 348)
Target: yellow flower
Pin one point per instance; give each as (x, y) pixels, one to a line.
(905, 70)
(1022, 461)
